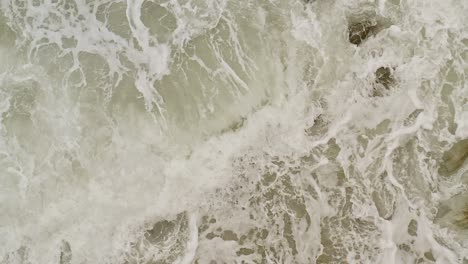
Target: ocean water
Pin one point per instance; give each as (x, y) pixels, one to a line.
(222, 131)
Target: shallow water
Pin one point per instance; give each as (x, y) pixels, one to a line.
(223, 131)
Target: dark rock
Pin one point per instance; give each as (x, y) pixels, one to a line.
(462, 220)
(360, 31)
(383, 75)
(65, 253)
(383, 81)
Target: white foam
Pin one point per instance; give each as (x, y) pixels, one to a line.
(104, 137)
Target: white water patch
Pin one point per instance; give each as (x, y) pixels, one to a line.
(228, 132)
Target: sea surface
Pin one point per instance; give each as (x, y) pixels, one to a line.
(233, 131)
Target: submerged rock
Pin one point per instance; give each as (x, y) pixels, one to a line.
(412, 117)
(360, 31)
(383, 75)
(462, 219)
(384, 80)
(318, 128)
(21, 255)
(65, 253)
(453, 213)
(454, 158)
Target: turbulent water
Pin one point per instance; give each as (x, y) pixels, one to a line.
(222, 131)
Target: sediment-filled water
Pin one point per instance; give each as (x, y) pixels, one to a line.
(221, 131)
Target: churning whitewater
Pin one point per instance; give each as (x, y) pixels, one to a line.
(222, 131)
